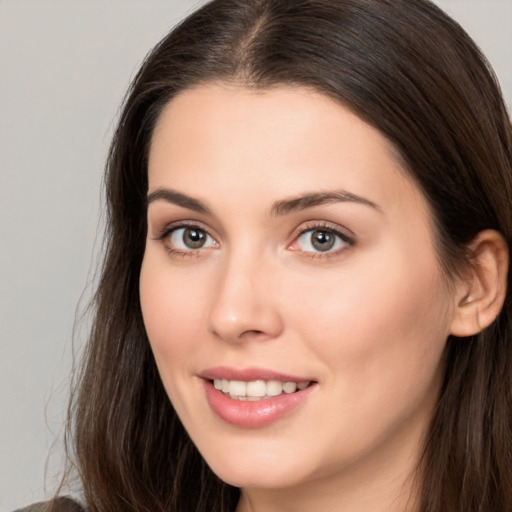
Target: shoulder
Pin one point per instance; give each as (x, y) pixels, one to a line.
(63, 504)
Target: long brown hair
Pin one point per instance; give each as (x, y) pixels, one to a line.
(414, 74)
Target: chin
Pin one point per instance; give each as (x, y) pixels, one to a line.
(258, 468)
(257, 477)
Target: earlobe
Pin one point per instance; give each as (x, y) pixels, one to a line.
(481, 292)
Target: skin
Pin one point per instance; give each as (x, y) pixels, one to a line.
(367, 321)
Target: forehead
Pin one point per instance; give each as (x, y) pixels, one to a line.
(227, 141)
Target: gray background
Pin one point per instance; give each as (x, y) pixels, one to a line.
(64, 67)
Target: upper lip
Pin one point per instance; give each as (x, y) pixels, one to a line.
(249, 374)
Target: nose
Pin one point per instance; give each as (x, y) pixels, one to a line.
(245, 302)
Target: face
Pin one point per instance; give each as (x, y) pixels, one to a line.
(290, 263)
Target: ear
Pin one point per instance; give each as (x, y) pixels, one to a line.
(480, 293)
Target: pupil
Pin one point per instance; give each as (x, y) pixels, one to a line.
(194, 238)
(323, 240)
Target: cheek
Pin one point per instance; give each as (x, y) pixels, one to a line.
(379, 323)
(172, 312)
(380, 335)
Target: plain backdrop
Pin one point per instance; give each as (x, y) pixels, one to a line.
(64, 68)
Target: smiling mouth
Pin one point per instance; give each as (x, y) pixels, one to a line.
(256, 390)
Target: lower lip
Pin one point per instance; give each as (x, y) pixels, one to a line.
(254, 414)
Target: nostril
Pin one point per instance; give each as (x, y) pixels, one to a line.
(252, 332)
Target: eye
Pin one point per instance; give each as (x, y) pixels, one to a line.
(190, 238)
(321, 240)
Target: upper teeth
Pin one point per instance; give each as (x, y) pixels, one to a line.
(257, 389)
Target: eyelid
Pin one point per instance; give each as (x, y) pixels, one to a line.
(346, 235)
(166, 232)
(161, 233)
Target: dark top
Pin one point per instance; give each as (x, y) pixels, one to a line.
(59, 505)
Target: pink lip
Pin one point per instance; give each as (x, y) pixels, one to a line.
(252, 414)
(248, 374)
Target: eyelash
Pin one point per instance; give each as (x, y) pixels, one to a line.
(349, 240)
(169, 230)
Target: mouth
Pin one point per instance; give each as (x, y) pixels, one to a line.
(256, 390)
(254, 398)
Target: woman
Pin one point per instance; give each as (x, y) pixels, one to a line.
(305, 302)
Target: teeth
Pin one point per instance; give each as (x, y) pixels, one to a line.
(274, 388)
(257, 389)
(289, 387)
(237, 388)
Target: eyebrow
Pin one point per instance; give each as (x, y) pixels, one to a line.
(279, 208)
(310, 200)
(179, 199)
